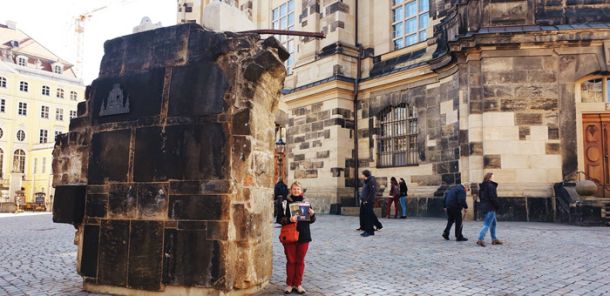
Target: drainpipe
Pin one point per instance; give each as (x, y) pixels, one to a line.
(356, 89)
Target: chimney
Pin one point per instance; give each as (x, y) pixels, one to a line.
(11, 25)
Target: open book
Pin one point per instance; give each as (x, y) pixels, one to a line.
(300, 210)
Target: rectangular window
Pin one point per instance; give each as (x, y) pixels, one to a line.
(2, 82)
(46, 90)
(72, 114)
(44, 165)
(59, 114)
(2, 105)
(43, 136)
(397, 141)
(23, 109)
(57, 133)
(282, 17)
(409, 22)
(44, 112)
(23, 86)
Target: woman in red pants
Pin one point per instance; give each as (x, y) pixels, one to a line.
(295, 252)
(395, 194)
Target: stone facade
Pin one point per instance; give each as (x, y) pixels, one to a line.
(167, 170)
(492, 86)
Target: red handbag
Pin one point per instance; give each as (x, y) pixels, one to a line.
(289, 233)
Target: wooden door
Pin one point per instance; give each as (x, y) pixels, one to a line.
(596, 136)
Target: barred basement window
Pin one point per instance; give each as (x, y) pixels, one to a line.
(397, 141)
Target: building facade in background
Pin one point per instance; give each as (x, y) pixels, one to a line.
(439, 92)
(38, 96)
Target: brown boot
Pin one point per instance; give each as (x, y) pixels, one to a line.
(481, 243)
(496, 242)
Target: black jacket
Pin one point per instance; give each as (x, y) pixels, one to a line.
(455, 198)
(488, 196)
(283, 217)
(403, 188)
(369, 190)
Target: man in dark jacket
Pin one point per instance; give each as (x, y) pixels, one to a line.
(280, 193)
(367, 200)
(454, 202)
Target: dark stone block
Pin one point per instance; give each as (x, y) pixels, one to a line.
(540, 209)
(492, 161)
(152, 200)
(274, 43)
(323, 154)
(109, 158)
(553, 133)
(183, 152)
(145, 255)
(553, 148)
(435, 208)
(88, 263)
(192, 225)
(511, 209)
(97, 205)
(448, 178)
(69, 204)
(113, 254)
(186, 100)
(528, 119)
(524, 131)
(298, 157)
(142, 95)
(186, 264)
(122, 200)
(242, 123)
(476, 148)
(198, 207)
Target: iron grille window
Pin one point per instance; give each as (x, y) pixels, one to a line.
(397, 141)
(409, 22)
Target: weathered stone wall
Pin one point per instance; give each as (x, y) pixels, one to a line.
(171, 157)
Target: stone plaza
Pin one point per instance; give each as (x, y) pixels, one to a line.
(408, 257)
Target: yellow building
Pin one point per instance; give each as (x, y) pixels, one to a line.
(39, 93)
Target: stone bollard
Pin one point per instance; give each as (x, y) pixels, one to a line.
(166, 173)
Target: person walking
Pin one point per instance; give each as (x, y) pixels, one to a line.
(403, 197)
(454, 202)
(295, 252)
(395, 194)
(367, 198)
(488, 206)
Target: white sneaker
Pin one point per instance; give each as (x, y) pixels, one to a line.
(288, 290)
(300, 290)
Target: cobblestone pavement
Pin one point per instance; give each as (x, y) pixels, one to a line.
(408, 257)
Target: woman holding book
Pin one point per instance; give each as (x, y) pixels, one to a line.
(296, 251)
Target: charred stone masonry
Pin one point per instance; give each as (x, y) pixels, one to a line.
(166, 171)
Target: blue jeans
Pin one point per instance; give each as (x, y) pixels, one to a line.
(403, 205)
(489, 222)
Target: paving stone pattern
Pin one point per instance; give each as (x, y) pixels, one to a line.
(408, 257)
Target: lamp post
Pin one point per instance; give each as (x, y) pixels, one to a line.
(280, 146)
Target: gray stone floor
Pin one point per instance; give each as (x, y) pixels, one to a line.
(408, 257)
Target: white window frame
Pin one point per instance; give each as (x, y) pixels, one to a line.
(59, 114)
(281, 17)
(44, 136)
(2, 82)
(60, 93)
(46, 90)
(22, 109)
(402, 37)
(44, 112)
(21, 135)
(22, 60)
(72, 114)
(19, 161)
(2, 105)
(58, 68)
(23, 86)
(73, 95)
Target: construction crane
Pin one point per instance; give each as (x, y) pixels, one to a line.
(79, 31)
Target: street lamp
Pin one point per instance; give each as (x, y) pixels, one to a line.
(280, 147)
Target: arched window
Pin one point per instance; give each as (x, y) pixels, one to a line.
(19, 161)
(46, 90)
(397, 141)
(2, 82)
(60, 93)
(595, 90)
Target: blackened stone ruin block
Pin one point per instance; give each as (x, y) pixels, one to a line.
(166, 169)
